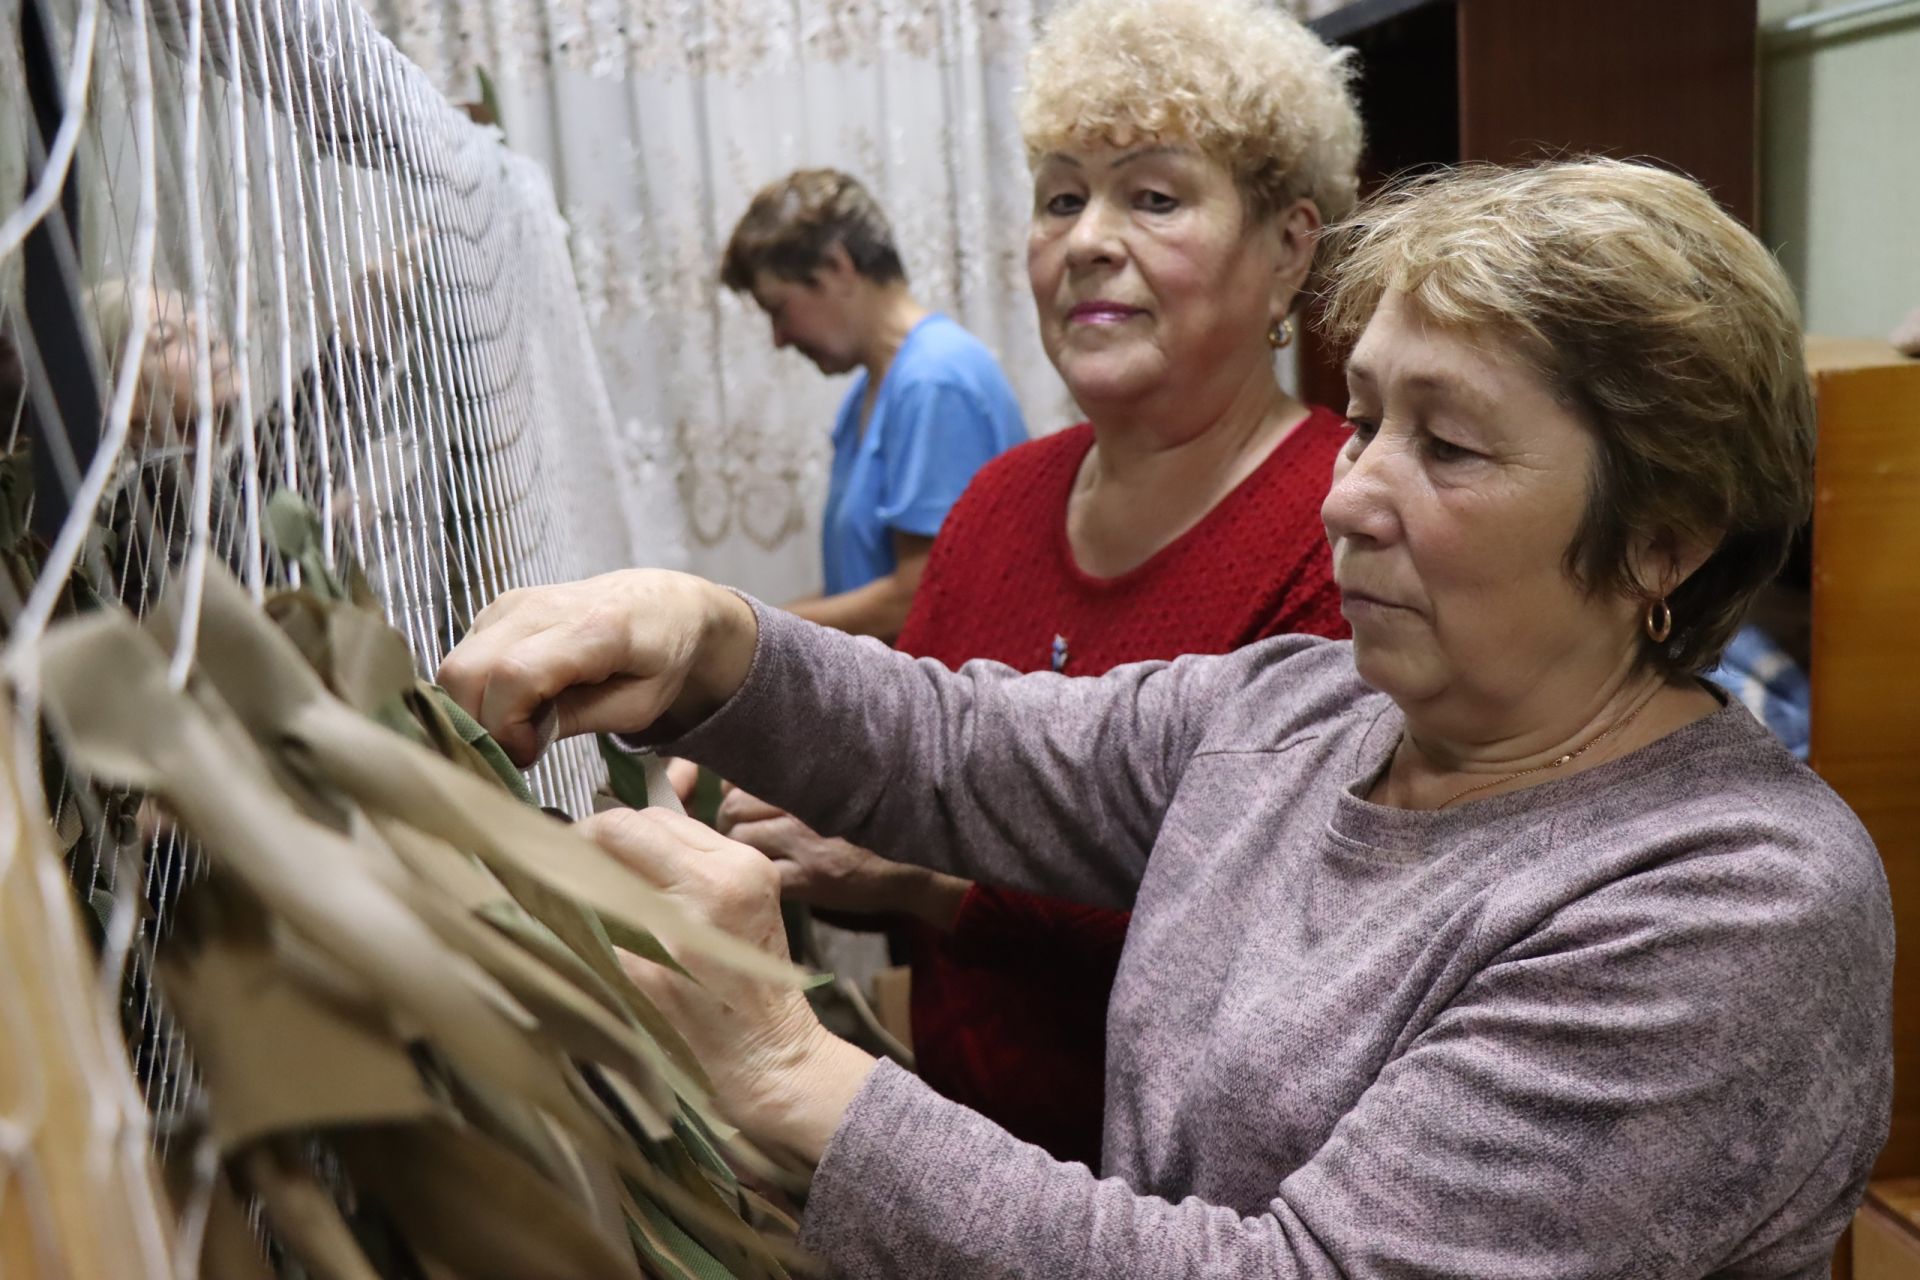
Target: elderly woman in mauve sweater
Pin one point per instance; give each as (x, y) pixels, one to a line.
(1490, 943)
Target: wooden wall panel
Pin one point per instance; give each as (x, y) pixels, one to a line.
(1866, 652)
(1675, 82)
(1886, 1234)
(1514, 80)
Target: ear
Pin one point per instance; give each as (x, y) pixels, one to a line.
(1296, 232)
(836, 270)
(1667, 560)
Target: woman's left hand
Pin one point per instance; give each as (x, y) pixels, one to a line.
(838, 875)
(776, 1072)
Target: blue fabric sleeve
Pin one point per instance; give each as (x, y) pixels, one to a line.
(937, 436)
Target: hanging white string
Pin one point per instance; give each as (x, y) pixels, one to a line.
(450, 326)
(27, 629)
(277, 252)
(431, 444)
(115, 1117)
(59, 155)
(186, 641)
(253, 569)
(391, 442)
(421, 528)
(348, 382)
(424, 413)
(299, 95)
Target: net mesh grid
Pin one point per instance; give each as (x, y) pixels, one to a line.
(303, 270)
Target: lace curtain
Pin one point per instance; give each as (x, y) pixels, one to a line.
(657, 120)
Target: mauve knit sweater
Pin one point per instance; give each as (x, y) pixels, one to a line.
(1633, 1022)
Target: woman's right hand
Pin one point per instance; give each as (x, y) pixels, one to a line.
(612, 654)
(776, 1072)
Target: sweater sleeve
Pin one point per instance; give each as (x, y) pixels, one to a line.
(1038, 782)
(1643, 1085)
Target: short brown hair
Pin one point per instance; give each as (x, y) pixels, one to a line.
(1241, 80)
(1655, 314)
(790, 225)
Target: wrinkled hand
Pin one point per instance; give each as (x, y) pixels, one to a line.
(776, 1072)
(837, 875)
(821, 872)
(684, 777)
(610, 654)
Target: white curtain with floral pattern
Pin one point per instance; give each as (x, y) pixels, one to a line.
(657, 120)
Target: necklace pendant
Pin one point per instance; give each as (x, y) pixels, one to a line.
(1562, 760)
(1059, 654)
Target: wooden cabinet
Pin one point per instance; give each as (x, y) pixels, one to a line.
(1443, 81)
(1448, 80)
(1885, 1240)
(1866, 652)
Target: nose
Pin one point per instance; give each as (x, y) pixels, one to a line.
(1360, 503)
(1095, 238)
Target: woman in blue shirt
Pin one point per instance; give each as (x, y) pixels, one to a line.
(928, 407)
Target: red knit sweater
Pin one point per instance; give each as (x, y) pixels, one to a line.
(1009, 1010)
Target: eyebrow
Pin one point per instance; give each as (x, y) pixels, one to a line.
(1126, 158)
(1444, 385)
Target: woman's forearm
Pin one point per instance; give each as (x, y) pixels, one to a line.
(724, 656)
(932, 897)
(913, 1186)
(1034, 782)
(878, 609)
(797, 1110)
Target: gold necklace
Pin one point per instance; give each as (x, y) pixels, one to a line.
(1561, 761)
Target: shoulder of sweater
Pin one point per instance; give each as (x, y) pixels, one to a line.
(1283, 689)
(1733, 811)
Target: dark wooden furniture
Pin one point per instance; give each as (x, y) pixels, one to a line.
(1866, 683)
(1886, 1234)
(1443, 81)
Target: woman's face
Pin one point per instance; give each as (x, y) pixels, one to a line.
(1150, 280)
(165, 400)
(1451, 511)
(813, 316)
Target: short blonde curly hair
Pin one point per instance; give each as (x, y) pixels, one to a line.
(1655, 315)
(1239, 79)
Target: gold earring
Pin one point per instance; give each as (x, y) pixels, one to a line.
(1281, 334)
(1658, 631)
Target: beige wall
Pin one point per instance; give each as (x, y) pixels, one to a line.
(1840, 165)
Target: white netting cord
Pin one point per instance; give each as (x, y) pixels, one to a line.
(333, 284)
(59, 153)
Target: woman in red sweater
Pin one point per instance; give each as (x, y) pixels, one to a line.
(1184, 154)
